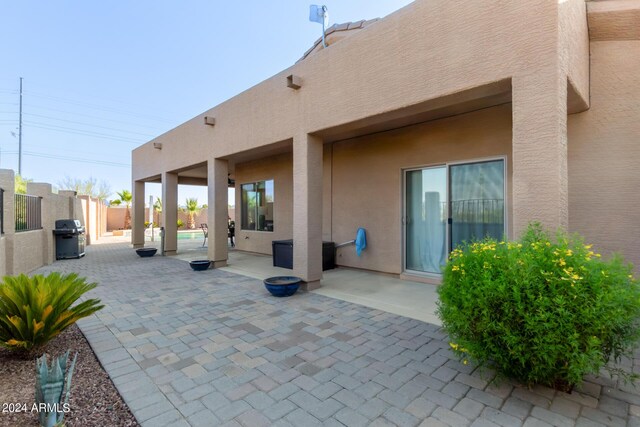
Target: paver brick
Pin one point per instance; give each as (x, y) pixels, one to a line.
(326, 409)
(264, 383)
(472, 381)
(304, 400)
(214, 401)
(445, 374)
(613, 406)
(552, 418)
(501, 418)
(259, 400)
(603, 417)
(517, 407)
(485, 398)
(440, 399)
(299, 417)
(279, 409)
(335, 359)
(203, 418)
(482, 422)
(394, 398)
(368, 389)
(169, 418)
(586, 422)
(399, 417)
(349, 398)
(455, 389)
(232, 410)
(326, 390)
(191, 408)
(433, 422)
(469, 408)
(450, 418)
(283, 391)
(351, 418)
(373, 408)
(253, 418)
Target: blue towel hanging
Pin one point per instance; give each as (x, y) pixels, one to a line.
(361, 240)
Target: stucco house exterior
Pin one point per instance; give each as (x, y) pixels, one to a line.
(440, 122)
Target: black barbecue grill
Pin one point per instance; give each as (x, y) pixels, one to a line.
(69, 239)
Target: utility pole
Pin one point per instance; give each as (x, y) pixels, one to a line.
(20, 134)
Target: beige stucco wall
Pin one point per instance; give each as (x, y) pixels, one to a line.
(363, 182)
(405, 69)
(278, 168)
(373, 73)
(604, 153)
(6, 240)
(367, 177)
(28, 247)
(23, 252)
(3, 257)
(115, 218)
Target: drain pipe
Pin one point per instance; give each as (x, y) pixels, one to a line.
(162, 241)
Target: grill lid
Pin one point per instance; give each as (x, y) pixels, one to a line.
(68, 226)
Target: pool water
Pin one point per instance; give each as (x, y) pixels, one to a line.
(182, 235)
(190, 235)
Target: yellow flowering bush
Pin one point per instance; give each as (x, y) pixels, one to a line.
(538, 310)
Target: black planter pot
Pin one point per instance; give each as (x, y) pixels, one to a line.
(146, 252)
(200, 264)
(282, 286)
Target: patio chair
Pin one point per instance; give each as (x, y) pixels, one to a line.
(205, 230)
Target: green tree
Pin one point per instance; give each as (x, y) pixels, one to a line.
(88, 187)
(21, 184)
(157, 205)
(192, 209)
(126, 197)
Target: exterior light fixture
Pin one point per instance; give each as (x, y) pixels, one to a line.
(294, 82)
(208, 120)
(157, 145)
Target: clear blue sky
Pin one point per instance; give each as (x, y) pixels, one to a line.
(101, 78)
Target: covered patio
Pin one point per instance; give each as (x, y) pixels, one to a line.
(375, 290)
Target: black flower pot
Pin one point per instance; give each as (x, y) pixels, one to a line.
(200, 264)
(146, 252)
(282, 286)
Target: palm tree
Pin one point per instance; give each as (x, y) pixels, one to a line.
(157, 208)
(192, 208)
(126, 197)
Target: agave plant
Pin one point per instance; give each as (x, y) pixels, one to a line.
(53, 388)
(35, 309)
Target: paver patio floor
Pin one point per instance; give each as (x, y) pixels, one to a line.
(213, 348)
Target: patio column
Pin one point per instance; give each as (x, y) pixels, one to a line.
(218, 215)
(307, 209)
(540, 180)
(170, 212)
(137, 215)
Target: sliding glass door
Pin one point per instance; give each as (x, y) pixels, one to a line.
(477, 201)
(426, 219)
(447, 205)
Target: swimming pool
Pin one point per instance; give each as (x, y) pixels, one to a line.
(190, 235)
(182, 235)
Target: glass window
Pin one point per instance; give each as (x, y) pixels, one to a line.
(257, 206)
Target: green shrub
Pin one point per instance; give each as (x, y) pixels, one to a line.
(35, 309)
(180, 223)
(540, 311)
